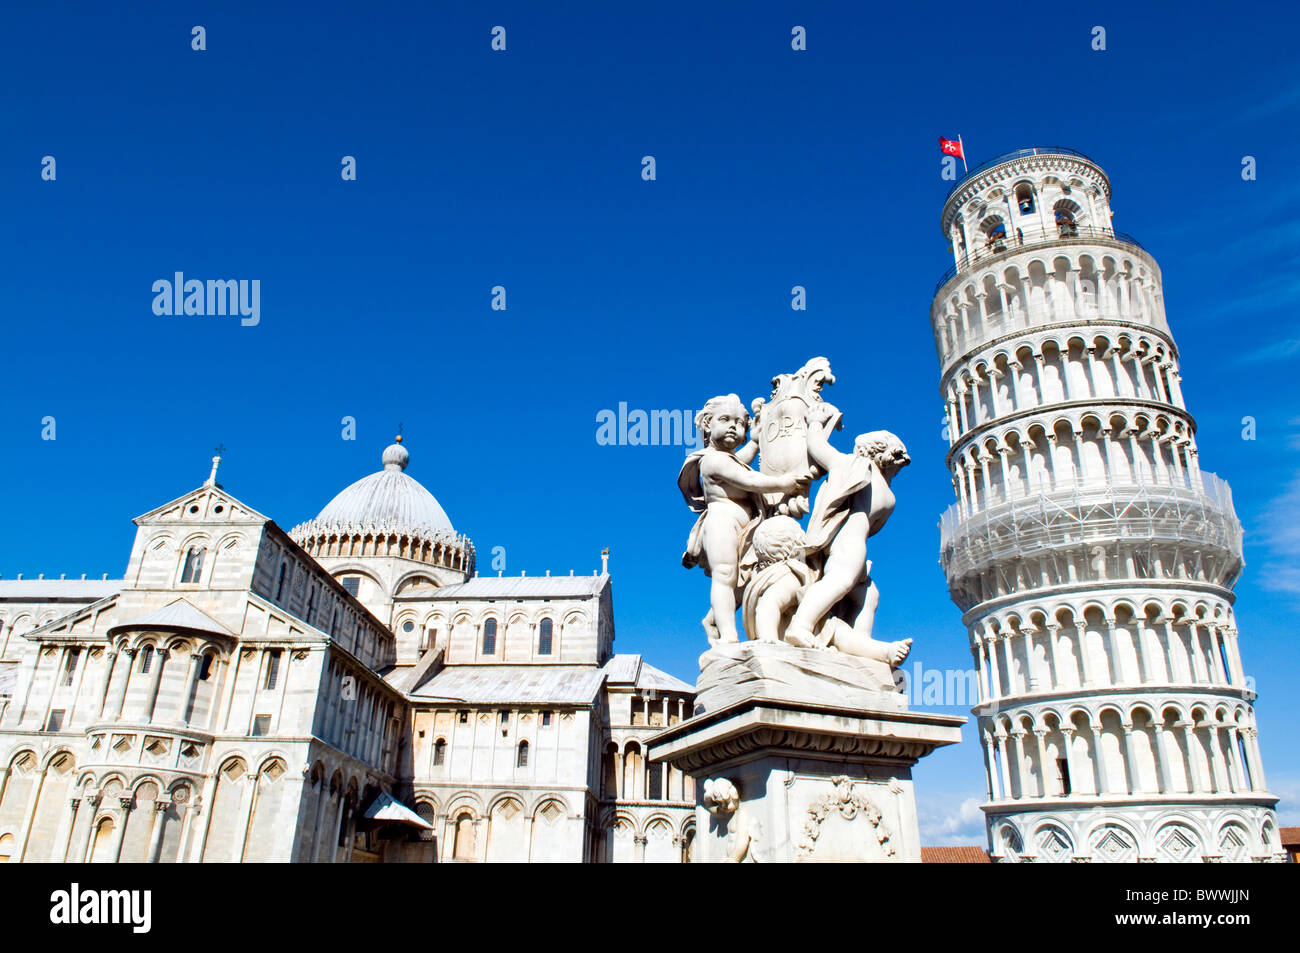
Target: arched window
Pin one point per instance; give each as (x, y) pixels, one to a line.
(311, 604)
(427, 812)
(272, 668)
(71, 670)
(279, 587)
(205, 667)
(6, 848)
(1025, 199)
(544, 639)
(146, 659)
(521, 760)
(1065, 221)
(490, 637)
(440, 751)
(193, 565)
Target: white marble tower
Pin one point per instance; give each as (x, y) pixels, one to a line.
(1093, 560)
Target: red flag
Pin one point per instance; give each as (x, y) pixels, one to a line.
(950, 147)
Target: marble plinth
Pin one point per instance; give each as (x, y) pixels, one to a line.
(813, 782)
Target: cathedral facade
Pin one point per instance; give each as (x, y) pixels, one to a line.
(348, 691)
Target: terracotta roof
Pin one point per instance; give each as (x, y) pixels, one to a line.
(1290, 836)
(954, 855)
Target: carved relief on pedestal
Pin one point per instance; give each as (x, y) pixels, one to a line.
(850, 806)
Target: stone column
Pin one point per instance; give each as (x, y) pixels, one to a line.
(1155, 376)
(1006, 767)
(1130, 760)
(1175, 454)
(1162, 759)
(1015, 686)
(63, 839)
(1007, 484)
(1052, 628)
(93, 799)
(990, 779)
(1217, 654)
(1017, 401)
(1085, 663)
(1037, 682)
(1234, 657)
(963, 418)
(1189, 741)
(1256, 762)
(161, 656)
(991, 642)
(994, 399)
(984, 459)
(160, 806)
(1237, 771)
(191, 679)
(1199, 672)
(1217, 767)
(110, 663)
(1067, 741)
(1018, 743)
(1039, 379)
(233, 665)
(1099, 761)
(1041, 735)
(123, 814)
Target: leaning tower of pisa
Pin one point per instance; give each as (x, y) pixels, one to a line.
(1092, 558)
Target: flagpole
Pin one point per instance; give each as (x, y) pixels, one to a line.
(964, 168)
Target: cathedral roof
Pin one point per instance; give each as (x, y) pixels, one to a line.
(634, 670)
(388, 499)
(514, 684)
(176, 615)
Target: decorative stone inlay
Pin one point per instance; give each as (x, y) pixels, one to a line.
(848, 804)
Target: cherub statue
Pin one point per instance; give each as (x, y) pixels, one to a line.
(722, 801)
(773, 592)
(853, 504)
(718, 483)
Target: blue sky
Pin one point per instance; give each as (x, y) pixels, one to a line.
(522, 169)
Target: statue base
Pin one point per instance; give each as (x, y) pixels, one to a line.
(817, 781)
(733, 672)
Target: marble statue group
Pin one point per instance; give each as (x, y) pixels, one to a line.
(810, 586)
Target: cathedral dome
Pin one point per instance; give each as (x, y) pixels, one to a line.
(388, 498)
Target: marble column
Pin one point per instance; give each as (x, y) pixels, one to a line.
(160, 806)
(1162, 759)
(123, 814)
(1130, 760)
(191, 679)
(67, 823)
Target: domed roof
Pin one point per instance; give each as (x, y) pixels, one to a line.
(388, 498)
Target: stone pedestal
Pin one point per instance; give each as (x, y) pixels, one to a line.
(815, 779)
